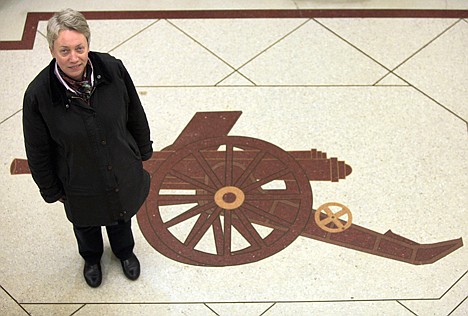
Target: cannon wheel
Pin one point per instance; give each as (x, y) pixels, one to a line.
(228, 207)
(330, 221)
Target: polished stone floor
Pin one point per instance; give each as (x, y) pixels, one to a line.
(380, 85)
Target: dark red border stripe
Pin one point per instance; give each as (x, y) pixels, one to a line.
(32, 19)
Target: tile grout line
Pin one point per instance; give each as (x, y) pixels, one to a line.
(438, 103)
(416, 88)
(9, 117)
(274, 86)
(265, 311)
(392, 71)
(210, 51)
(133, 36)
(81, 307)
(456, 307)
(427, 44)
(442, 296)
(352, 45)
(17, 303)
(217, 84)
(407, 308)
(212, 310)
(239, 302)
(199, 43)
(458, 280)
(295, 4)
(273, 44)
(236, 70)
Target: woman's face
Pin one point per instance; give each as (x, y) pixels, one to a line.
(71, 52)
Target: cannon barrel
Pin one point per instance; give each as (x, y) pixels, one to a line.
(315, 164)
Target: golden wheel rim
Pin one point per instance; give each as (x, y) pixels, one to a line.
(331, 222)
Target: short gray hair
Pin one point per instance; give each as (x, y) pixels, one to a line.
(67, 19)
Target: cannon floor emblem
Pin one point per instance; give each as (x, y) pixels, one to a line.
(219, 200)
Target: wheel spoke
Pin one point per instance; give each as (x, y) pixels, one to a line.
(194, 211)
(236, 223)
(273, 196)
(196, 228)
(227, 232)
(249, 232)
(195, 183)
(250, 168)
(328, 211)
(175, 199)
(338, 223)
(326, 221)
(200, 231)
(206, 167)
(341, 213)
(259, 183)
(218, 236)
(273, 219)
(229, 164)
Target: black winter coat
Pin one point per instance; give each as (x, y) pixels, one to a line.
(91, 155)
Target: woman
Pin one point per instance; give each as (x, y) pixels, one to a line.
(86, 135)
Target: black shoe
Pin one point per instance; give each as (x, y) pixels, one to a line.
(93, 274)
(131, 267)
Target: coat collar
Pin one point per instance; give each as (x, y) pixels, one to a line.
(58, 91)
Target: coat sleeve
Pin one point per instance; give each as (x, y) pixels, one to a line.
(40, 151)
(137, 122)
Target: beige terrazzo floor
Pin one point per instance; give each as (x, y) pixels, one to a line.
(386, 95)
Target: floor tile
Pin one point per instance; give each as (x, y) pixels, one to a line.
(372, 36)
(172, 59)
(339, 308)
(446, 304)
(236, 41)
(312, 56)
(440, 69)
(51, 309)
(247, 309)
(147, 309)
(8, 306)
(21, 67)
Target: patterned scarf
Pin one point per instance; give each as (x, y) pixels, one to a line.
(82, 88)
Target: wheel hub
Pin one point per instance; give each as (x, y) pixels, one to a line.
(229, 198)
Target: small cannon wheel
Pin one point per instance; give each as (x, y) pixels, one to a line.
(329, 220)
(228, 219)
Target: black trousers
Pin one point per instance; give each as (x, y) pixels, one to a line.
(90, 243)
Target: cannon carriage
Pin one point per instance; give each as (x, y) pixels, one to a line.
(219, 200)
